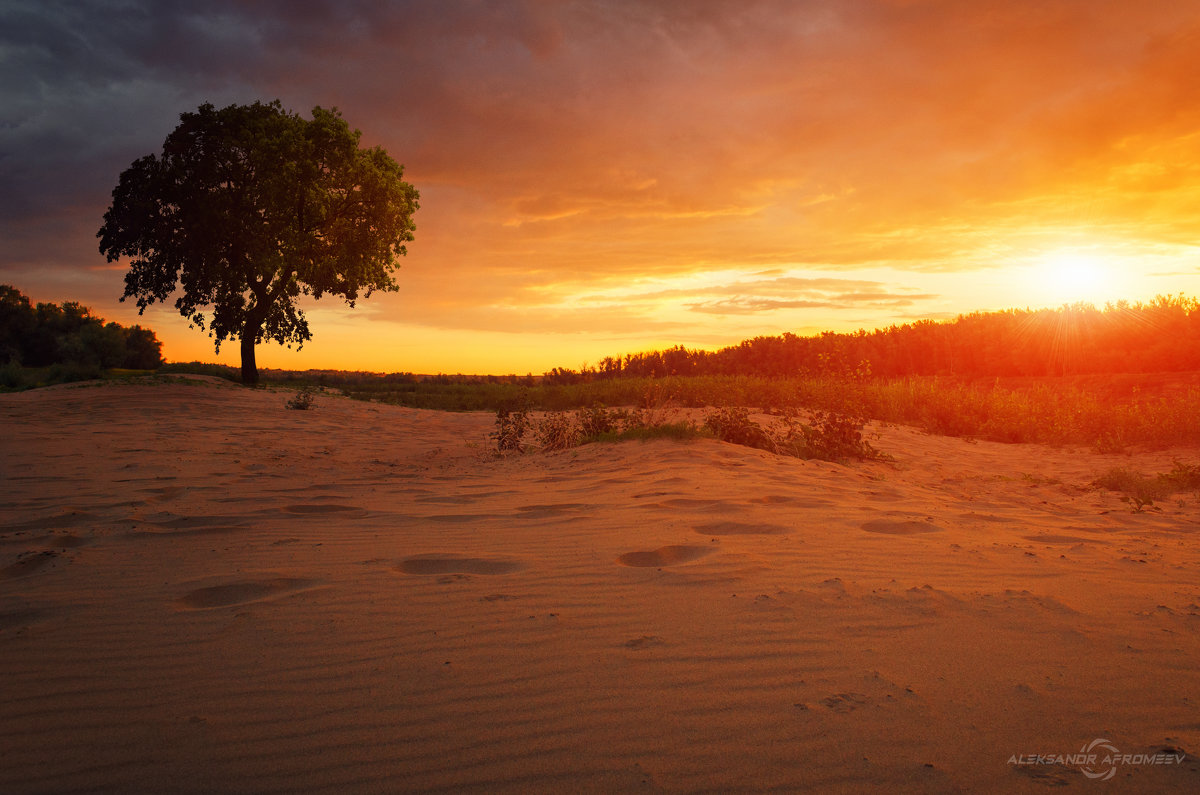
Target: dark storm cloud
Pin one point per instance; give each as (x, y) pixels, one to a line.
(87, 87)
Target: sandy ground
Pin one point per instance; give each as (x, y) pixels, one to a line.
(203, 591)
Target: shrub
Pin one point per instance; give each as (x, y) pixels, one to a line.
(832, 436)
(838, 437)
(1141, 491)
(677, 431)
(303, 400)
(68, 372)
(512, 423)
(12, 376)
(557, 431)
(597, 421)
(733, 424)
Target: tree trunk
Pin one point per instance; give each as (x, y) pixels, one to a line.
(256, 316)
(249, 369)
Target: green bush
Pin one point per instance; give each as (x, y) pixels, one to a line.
(597, 421)
(12, 376)
(733, 424)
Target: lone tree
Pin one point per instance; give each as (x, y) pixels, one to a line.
(249, 206)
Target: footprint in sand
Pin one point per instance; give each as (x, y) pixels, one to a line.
(68, 519)
(553, 509)
(301, 509)
(28, 564)
(163, 493)
(1046, 538)
(445, 500)
(16, 619)
(741, 529)
(908, 528)
(708, 506)
(221, 523)
(66, 541)
(644, 642)
(242, 592)
(457, 564)
(663, 556)
(772, 499)
(845, 702)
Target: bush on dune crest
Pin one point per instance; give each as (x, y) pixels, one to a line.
(1141, 491)
(831, 436)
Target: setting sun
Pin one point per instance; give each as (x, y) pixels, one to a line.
(1069, 275)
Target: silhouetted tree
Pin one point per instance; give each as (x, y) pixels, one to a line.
(249, 206)
(17, 323)
(52, 334)
(1162, 335)
(143, 351)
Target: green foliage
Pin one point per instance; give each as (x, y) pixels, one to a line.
(143, 351)
(248, 207)
(12, 376)
(596, 421)
(70, 334)
(733, 424)
(832, 437)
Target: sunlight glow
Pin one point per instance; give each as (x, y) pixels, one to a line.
(1069, 275)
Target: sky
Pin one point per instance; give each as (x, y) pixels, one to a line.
(600, 178)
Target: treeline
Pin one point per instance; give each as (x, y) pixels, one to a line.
(48, 334)
(1160, 336)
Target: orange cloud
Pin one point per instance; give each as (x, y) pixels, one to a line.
(566, 151)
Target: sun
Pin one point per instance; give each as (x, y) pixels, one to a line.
(1066, 276)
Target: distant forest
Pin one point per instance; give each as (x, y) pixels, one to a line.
(48, 334)
(1160, 336)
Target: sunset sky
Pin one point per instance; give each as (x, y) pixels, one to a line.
(607, 177)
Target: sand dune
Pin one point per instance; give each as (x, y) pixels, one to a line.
(203, 591)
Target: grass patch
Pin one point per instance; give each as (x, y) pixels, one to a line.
(15, 378)
(201, 368)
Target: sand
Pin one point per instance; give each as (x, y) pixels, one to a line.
(201, 591)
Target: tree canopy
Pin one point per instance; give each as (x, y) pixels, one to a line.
(250, 206)
(1157, 336)
(49, 334)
